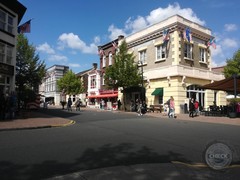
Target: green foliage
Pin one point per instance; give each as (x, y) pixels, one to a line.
(30, 70)
(70, 84)
(233, 65)
(124, 72)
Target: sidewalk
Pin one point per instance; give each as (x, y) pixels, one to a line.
(33, 120)
(201, 118)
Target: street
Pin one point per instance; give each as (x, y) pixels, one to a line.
(104, 139)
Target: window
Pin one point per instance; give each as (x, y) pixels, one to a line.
(6, 22)
(2, 54)
(188, 51)
(110, 59)
(9, 55)
(93, 81)
(104, 61)
(161, 52)
(202, 52)
(2, 20)
(143, 56)
(10, 24)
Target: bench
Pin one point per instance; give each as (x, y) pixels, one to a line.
(153, 108)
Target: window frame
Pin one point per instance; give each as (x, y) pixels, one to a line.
(161, 52)
(202, 55)
(188, 51)
(142, 56)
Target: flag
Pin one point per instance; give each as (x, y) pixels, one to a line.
(166, 35)
(212, 42)
(25, 28)
(100, 52)
(115, 46)
(187, 34)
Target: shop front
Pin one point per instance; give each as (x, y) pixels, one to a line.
(104, 99)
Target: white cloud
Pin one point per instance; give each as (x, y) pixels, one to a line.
(132, 25)
(231, 43)
(45, 48)
(115, 32)
(230, 27)
(58, 58)
(136, 24)
(163, 13)
(71, 40)
(74, 65)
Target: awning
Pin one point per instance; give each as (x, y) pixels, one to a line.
(227, 84)
(103, 96)
(158, 92)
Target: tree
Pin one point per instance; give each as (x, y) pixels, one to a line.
(124, 71)
(30, 70)
(70, 84)
(233, 65)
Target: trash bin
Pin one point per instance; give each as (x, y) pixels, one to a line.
(181, 108)
(185, 108)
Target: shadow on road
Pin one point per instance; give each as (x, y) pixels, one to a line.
(107, 155)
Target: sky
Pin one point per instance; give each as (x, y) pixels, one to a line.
(68, 32)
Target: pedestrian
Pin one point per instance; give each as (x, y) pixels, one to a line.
(139, 110)
(165, 109)
(168, 104)
(69, 104)
(119, 104)
(144, 107)
(103, 104)
(191, 108)
(171, 108)
(77, 104)
(196, 107)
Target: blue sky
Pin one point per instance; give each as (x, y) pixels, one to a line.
(67, 32)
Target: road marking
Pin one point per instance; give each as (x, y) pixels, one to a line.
(203, 165)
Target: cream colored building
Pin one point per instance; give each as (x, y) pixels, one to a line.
(177, 68)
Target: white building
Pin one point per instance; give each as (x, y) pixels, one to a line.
(48, 89)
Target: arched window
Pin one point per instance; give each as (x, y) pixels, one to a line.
(104, 61)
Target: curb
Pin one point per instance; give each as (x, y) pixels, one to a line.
(39, 127)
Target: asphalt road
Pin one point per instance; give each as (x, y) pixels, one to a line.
(103, 139)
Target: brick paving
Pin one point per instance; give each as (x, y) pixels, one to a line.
(35, 119)
(202, 118)
(32, 120)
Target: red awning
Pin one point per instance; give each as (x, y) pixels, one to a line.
(103, 96)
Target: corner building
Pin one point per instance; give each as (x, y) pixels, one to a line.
(11, 13)
(177, 68)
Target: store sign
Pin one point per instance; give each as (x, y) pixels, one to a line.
(6, 69)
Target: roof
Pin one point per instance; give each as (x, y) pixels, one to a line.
(83, 72)
(15, 6)
(218, 69)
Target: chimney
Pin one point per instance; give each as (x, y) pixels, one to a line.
(95, 66)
